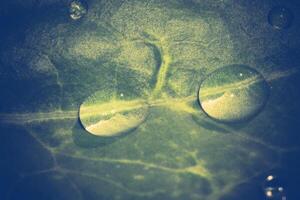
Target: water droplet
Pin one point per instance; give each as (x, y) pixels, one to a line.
(103, 114)
(227, 96)
(78, 8)
(280, 17)
(273, 188)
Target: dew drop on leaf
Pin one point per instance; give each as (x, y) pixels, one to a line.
(280, 17)
(233, 93)
(273, 188)
(78, 8)
(106, 115)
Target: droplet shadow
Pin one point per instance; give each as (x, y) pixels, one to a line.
(84, 139)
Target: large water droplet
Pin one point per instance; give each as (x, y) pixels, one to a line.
(233, 93)
(274, 188)
(280, 17)
(103, 114)
(78, 8)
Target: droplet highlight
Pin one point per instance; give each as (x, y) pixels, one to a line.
(78, 9)
(233, 93)
(274, 188)
(280, 17)
(106, 115)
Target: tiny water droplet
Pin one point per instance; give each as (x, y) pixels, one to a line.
(233, 93)
(273, 188)
(78, 8)
(103, 114)
(280, 17)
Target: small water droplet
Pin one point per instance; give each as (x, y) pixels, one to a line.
(227, 96)
(280, 17)
(78, 8)
(270, 178)
(105, 115)
(273, 188)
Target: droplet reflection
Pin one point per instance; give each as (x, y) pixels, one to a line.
(274, 189)
(280, 17)
(78, 8)
(107, 115)
(233, 93)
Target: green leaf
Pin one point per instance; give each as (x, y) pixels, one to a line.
(131, 78)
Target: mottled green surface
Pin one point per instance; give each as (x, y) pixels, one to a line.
(161, 50)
